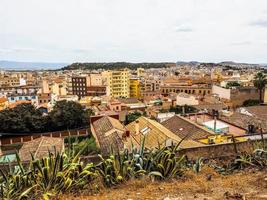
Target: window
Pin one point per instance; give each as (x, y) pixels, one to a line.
(145, 130)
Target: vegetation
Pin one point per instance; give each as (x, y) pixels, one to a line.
(132, 117)
(50, 176)
(179, 109)
(25, 118)
(232, 84)
(115, 65)
(60, 173)
(76, 144)
(260, 80)
(251, 102)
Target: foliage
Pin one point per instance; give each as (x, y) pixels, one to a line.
(251, 102)
(179, 109)
(68, 115)
(85, 143)
(259, 82)
(46, 177)
(25, 118)
(132, 117)
(115, 65)
(258, 159)
(232, 84)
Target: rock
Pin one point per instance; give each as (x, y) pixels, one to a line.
(209, 176)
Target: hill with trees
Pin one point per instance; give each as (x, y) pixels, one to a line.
(116, 65)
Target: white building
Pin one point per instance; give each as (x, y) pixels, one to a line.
(186, 99)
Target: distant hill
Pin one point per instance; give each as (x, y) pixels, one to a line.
(13, 65)
(116, 65)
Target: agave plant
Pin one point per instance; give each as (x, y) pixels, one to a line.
(46, 177)
(17, 183)
(166, 164)
(197, 166)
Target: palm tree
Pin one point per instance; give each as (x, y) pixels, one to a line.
(259, 82)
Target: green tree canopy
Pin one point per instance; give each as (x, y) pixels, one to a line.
(25, 118)
(259, 82)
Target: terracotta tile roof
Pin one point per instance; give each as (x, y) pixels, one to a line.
(258, 111)
(3, 99)
(241, 120)
(13, 105)
(108, 133)
(40, 147)
(183, 127)
(155, 134)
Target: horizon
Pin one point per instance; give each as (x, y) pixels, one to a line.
(140, 31)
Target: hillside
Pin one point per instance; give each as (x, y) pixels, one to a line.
(250, 185)
(116, 65)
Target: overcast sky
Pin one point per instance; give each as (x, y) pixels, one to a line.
(133, 30)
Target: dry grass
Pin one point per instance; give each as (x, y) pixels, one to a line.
(206, 185)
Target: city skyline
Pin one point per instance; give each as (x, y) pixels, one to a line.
(139, 31)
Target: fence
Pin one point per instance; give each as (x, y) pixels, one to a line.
(26, 138)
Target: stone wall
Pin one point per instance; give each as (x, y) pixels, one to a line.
(221, 150)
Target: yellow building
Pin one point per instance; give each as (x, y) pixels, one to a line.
(135, 88)
(3, 103)
(117, 82)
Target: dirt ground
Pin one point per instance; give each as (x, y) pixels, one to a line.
(246, 185)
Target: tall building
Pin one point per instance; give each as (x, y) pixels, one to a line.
(79, 85)
(117, 82)
(135, 88)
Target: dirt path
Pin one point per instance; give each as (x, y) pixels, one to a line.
(207, 185)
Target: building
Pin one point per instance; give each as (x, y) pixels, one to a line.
(79, 85)
(186, 99)
(155, 134)
(44, 98)
(194, 89)
(108, 133)
(40, 147)
(23, 97)
(265, 95)
(3, 103)
(96, 90)
(118, 83)
(135, 88)
(236, 96)
(140, 72)
(184, 128)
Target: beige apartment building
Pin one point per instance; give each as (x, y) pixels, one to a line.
(117, 82)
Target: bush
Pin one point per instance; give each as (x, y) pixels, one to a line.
(251, 102)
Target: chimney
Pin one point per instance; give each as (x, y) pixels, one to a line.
(137, 127)
(127, 133)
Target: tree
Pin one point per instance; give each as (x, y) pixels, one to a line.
(179, 109)
(68, 115)
(259, 82)
(24, 118)
(232, 84)
(251, 102)
(132, 117)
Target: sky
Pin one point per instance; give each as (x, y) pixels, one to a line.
(133, 30)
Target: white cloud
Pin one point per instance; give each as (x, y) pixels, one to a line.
(140, 30)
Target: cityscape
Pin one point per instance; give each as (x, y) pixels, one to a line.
(113, 129)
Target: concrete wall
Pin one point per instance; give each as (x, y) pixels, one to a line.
(221, 92)
(239, 95)
(221, 150)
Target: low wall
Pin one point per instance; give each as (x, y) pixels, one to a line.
(26, 138)
(221, 150)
